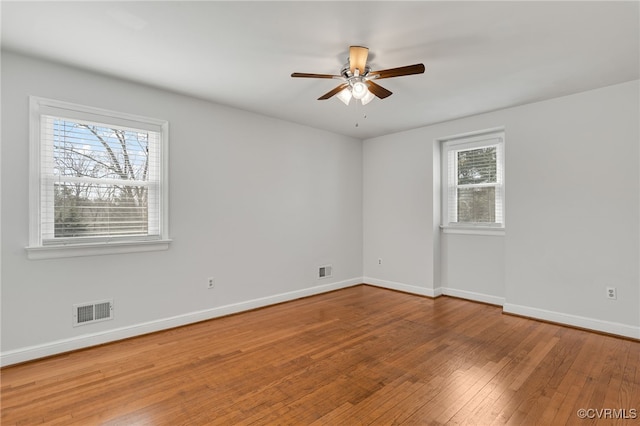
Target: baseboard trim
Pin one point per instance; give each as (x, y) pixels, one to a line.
(608, 327)
(470, 295)
(80, 342)
(406, 288)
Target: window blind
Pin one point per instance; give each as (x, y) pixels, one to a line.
(475, 181)
(98, 181)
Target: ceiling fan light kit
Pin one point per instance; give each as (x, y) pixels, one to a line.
(357, 78)
(358, 89)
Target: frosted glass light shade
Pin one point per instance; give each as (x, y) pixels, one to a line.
(359, 90)
(368, 97)
(345, 96)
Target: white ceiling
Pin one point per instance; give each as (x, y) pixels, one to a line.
(480, 56)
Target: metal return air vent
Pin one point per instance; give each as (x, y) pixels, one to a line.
(88, 313)
(325, 271)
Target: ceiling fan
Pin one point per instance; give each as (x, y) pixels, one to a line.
(358, 78)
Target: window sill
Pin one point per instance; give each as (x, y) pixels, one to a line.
(94, 249)
(473, 230)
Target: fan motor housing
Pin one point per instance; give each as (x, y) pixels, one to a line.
(346, 71)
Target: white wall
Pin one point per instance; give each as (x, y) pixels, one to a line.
(399, 217)
(259, 203)
(473, 267)
(573, 230)
(572, 213)
(255, 202)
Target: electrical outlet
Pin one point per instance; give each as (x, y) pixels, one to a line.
(379, 261)
(210, 283)
(612, 293)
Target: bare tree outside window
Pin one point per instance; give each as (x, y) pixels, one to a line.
(101, 180)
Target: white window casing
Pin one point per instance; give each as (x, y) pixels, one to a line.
(118, 161)
(473, 183)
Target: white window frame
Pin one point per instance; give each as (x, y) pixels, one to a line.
(72, 247)
(453, 144)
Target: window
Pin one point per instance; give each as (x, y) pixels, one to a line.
(473, 182)
(98, 181)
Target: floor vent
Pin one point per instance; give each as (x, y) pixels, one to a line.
(88, 313)
(324, 271)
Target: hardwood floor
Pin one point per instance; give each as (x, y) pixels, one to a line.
(361, 355)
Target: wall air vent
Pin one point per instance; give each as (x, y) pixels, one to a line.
(325, 271)
(88, 313)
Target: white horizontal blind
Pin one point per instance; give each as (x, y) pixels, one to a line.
(98, 181)
(475, 181)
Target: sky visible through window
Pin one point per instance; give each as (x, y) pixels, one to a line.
(99, 152)
(101, 176)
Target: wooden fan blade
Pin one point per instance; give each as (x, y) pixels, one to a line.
(378, 90)
(333, 92)
(358, 58)
(399, 72)
(307, 75)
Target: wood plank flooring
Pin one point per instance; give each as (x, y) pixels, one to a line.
(357, 356)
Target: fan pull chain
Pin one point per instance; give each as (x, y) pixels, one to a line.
(364, 117)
